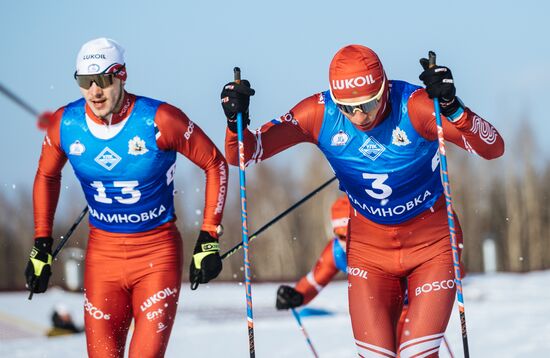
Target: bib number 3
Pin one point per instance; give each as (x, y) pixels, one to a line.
(379, 189)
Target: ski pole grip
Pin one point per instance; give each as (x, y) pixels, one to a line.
(431, 59)
(237, 74)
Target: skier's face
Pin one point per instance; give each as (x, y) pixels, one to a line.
(104, 101)
(358, 117)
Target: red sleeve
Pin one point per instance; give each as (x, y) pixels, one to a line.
(469, 131)
(47, 181)
(177, 132)
(301, 124)
(323, 272)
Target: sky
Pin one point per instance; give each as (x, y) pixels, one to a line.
(183, 52)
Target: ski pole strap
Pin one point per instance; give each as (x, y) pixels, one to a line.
(278, 217)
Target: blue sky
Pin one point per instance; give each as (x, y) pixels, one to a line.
(183, 52)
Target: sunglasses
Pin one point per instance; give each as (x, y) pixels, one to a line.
(365, 106)
(102, 80)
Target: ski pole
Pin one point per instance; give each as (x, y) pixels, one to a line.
(44, 118)
(28, 108)
(63, 241)
(277, 218)
(303, 329)
(244, 220)
(18, 101)
(450, 216)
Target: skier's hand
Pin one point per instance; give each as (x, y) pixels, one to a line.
(39, 267)
(288, 297)
(236, 98)
(206, 264)
(439, 83)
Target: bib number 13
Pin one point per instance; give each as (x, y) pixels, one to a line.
(379, 189)
(132, 195)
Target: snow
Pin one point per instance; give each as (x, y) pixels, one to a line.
(507, 316)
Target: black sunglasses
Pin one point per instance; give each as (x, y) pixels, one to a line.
(102, 80)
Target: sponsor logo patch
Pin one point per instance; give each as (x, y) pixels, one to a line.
(399, 137)
(391, 211)
(372, 148)
(339, 139)
(435, 286)
(93, 68)
(94, 56)
(136, 146)
(189, 131)
(158, 297)
(161, 327)
(93, 311)
(356, 271)
(153, 315)
(107, 158)
(223, 189)
(486, 131)
(127, 218)
(353, 82)
(77, 148)
(289, 117)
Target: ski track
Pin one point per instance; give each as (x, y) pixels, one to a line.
(507, 316)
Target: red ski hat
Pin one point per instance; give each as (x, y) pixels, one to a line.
(340, 215)
(355, 71)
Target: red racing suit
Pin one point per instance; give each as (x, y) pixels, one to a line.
(322, 273)
(333, 257)
(132, 275)
(384, 259)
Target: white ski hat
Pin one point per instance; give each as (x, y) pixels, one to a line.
(97, 56)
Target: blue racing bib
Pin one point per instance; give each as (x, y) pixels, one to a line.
(127, 180)
(390, 173)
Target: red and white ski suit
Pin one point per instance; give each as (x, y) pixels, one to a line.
(133, 275)
(381, 258)
(326, 268)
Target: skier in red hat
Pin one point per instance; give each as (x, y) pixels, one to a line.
(380, 138)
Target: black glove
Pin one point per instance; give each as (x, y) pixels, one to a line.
(236, 98)
(439, 83)
(288, 297)
(206, 263)
(39, 267)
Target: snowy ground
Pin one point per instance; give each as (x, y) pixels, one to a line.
(508, 315)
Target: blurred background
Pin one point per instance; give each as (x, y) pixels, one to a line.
(183, 53)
